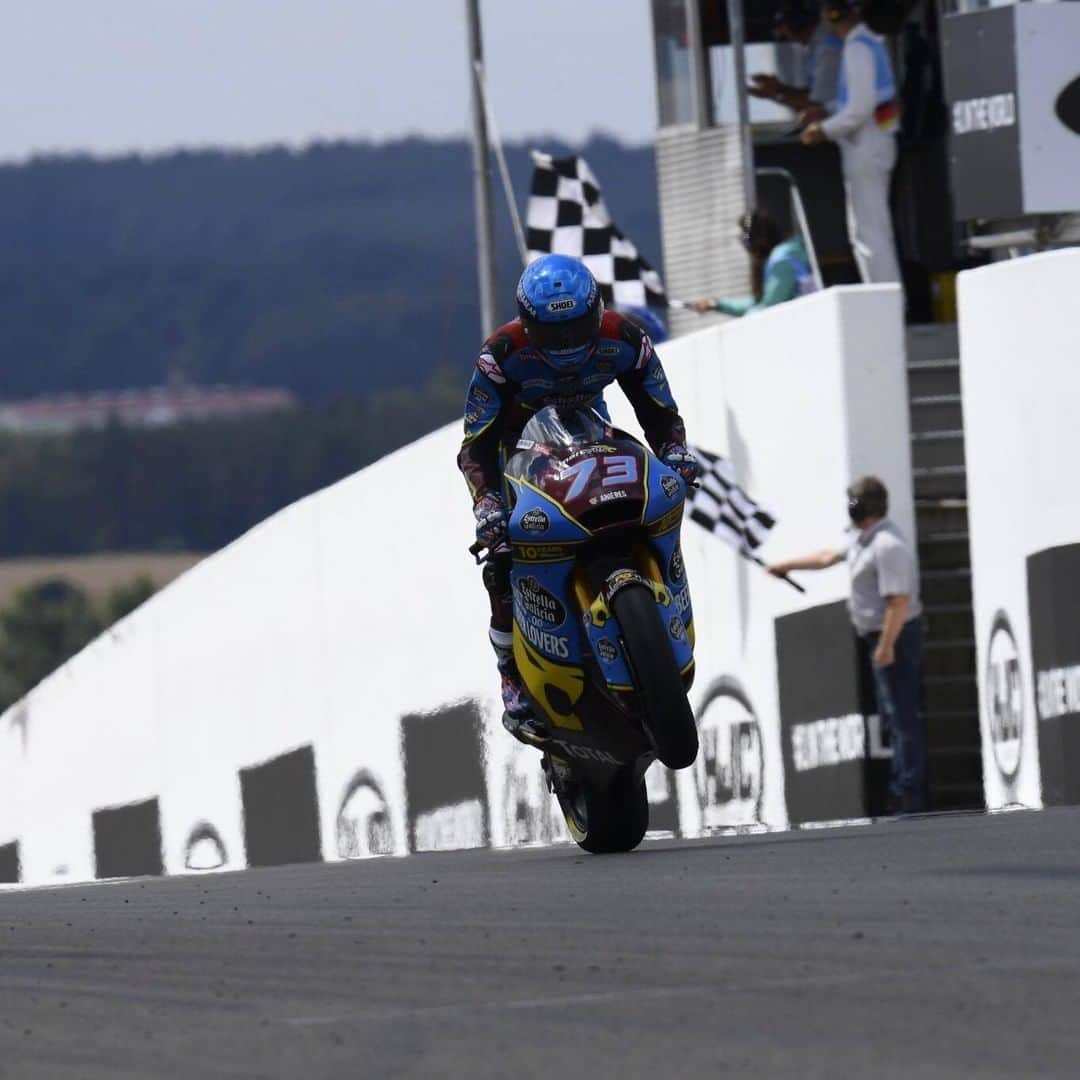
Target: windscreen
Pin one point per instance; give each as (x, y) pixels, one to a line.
(554, 431)
(563, 429)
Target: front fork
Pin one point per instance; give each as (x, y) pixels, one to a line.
(593, 586)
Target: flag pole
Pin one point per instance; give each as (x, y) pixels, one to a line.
(700, 91)
(780, 577)
(500, 158)
(737, 36)
(485, 218)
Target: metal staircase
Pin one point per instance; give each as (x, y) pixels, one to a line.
(950, 696)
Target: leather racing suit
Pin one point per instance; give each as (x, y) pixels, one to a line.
(512, 380)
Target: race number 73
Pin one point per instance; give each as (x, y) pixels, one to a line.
(614, 469)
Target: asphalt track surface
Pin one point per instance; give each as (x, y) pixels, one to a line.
(925, 947)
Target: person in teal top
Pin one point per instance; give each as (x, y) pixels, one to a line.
(781, 269)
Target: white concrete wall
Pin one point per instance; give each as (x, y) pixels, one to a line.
(1020, 368)
(323, 627)
(803, 398)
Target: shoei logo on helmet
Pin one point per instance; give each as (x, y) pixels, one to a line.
(562, 305)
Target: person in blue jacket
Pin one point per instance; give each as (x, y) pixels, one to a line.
(781, 269)
(864, 126)
(563, 349)
(799, 23)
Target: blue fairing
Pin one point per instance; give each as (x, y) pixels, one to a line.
(667, 491)
(538, 519)
(545, 606)
(543, 600)
(605, 644)
(678, 616)
(545, 611)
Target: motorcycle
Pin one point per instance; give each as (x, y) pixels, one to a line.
(603, 626)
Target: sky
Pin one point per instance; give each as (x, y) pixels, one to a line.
(114, 76)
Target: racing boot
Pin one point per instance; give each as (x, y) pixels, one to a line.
(518, 717)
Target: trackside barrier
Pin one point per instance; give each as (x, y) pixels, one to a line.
(1020, 370)
(312, 692)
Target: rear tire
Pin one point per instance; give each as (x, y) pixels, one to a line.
(608, 820)
(669, 718)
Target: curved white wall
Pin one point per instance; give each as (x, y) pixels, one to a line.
(1020, 367)
(340, 626)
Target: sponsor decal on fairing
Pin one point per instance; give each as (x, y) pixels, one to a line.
(533, 602)
(676, 567)
(550, 644)
(535, 521)
(587, 753)
(607, 650)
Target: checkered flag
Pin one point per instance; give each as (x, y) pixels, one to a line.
(724, 509)
(567, 215)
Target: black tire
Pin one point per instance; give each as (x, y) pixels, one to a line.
(669, 718)
(603, 821)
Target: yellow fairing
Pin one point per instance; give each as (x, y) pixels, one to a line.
(541, 674)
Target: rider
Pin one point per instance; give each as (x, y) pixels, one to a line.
(562, 349)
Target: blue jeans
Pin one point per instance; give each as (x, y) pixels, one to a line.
(897, 689)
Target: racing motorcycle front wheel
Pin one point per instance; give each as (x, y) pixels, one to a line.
(668, 717)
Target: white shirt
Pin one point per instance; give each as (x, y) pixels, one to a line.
(881, 564)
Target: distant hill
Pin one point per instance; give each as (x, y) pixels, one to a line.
(341, 270)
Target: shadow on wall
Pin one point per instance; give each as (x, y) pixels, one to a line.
(10, 871)
(447, 801)
(127, 841)
(444, 779)
(281, 810)
(363, 820)
(205, 849)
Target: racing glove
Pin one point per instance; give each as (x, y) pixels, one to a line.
(492, 520)
(677, 457)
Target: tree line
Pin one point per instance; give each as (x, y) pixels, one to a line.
(340, 270)
(197, 486)
(49, 622)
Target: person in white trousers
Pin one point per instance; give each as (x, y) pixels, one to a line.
(864, 127)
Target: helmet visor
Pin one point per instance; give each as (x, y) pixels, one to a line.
(569, 335)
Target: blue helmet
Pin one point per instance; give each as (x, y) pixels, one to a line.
(560, 307)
